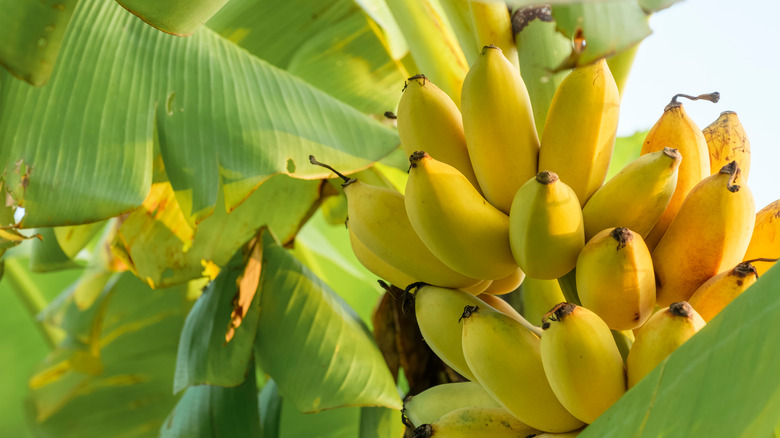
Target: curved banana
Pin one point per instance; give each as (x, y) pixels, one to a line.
(727, 141)
(378, 218)
(717, 292)
(437, 310)
(499, 125)
(476, 422)
(676, 129)
(377, 265)
(546, 231)
(636, 197)
(507, 309)
(464, 231)
(435, 402)
(709, 234)
(582, 361)
(666, 330)
(765, 241)
(478, 288)
(538, 297)
(572, 434)
(615, 278)
(580, 130)
(507, 284)
(429, 120)
(493, 26)
(505, 358)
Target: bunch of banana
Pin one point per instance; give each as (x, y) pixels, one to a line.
(488, 210)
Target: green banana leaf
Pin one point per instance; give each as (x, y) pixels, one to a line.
(74, 238)
(609, 27)
(270, 403)
(314, 347)
(22, 347)
(164, 251)
(215, 411)
(626, 150)
(333, 423)
(330, 44)
(177, 17)
(204, 355)
(723, 382)
(326, 251)
(656, 5)
(221, 115)
(380, 423)
(31, 33)
(119, 382)
(47, 254)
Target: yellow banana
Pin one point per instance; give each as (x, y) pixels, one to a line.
(493, 25)
(666, 330)
(677, 130)
(579, 133)
(505, 358)
(615, 278)
(429, 120)
(377, 217)
(476, 422)
(582, 361)
(765, 241)
(538, 297)
(437, 310)
(546, 231)
(456, 223)
(572, 434)
(507, 309)
(727, 141)
(717, 292)
(709, 234)
(499, 125)
(435, 402)
(636, 197)
(507, 284)
(478, 288)
(459, 16)
(377, 265)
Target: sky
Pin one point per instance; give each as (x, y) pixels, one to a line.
(700, 46)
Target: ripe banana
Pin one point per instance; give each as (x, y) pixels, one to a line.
(435, 402)
(709, 234)
(676, 129)
(636, 197)
(765, 241)
(464, 231)
(493, 26)
(546, 231)
(429, 120)
(538, 297)
(377, 265)
(437, 310)
(727, 141)
(507, 284)
(615, 278)
(580, 130)
(499, 125)
(582, 361)
(478, 288)
(717, 292)
(505, 358)
(572, 434)
(666, 330)
(475, 422)
(377, 217)
(507, 309)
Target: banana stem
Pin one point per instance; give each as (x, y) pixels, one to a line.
(569, 287)
(347, 180)
(713, 97)
(31, 297)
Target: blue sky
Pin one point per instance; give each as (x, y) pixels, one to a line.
(699, 46)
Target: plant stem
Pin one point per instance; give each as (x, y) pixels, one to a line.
(569, 287)
(31, 297)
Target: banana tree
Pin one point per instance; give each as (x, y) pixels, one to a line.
(180, 269)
